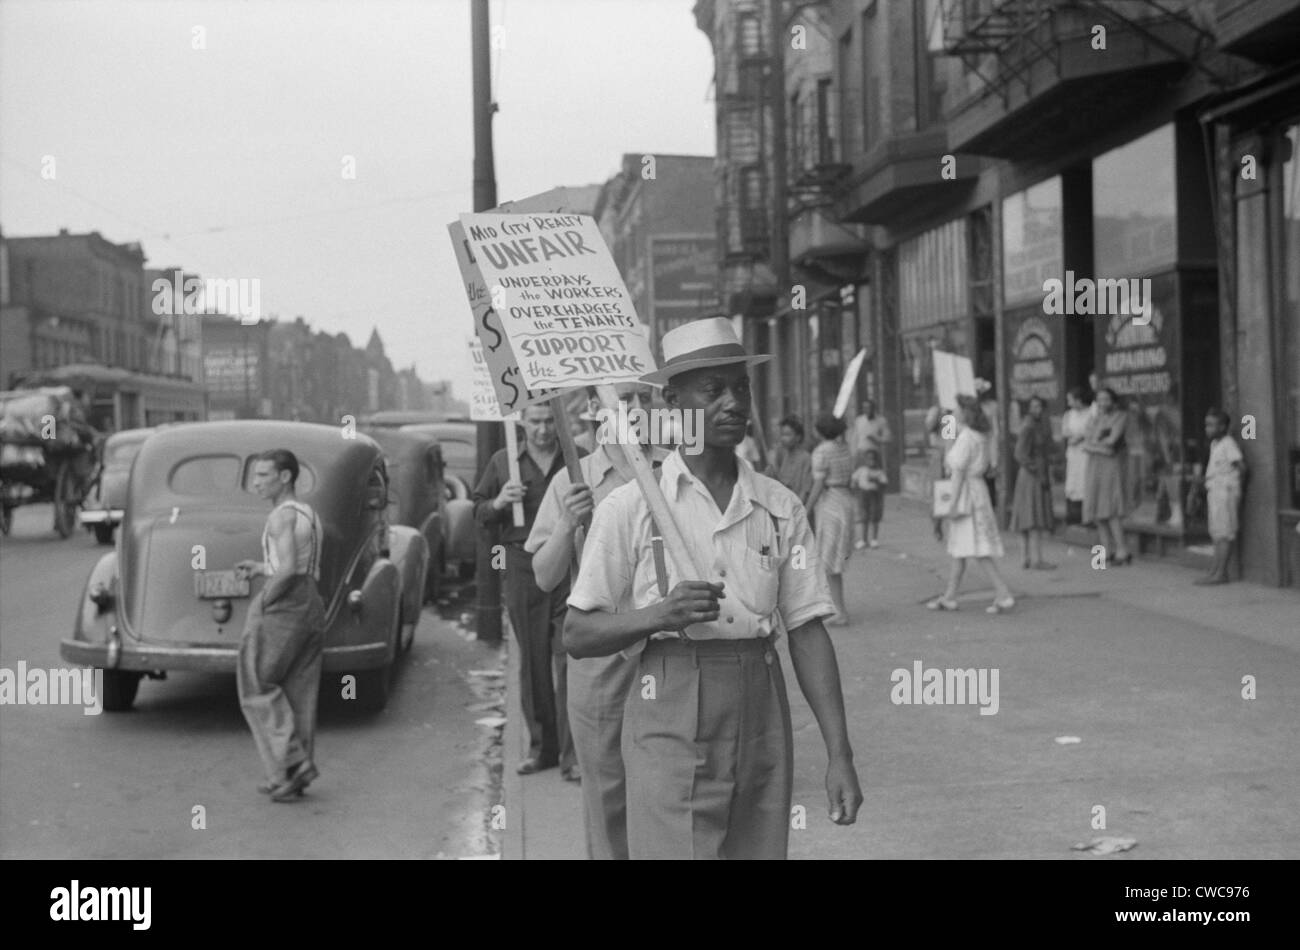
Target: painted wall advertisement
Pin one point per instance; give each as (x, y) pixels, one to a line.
(1035, 357)
(1141, 363)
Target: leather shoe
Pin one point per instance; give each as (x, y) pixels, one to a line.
(571, 774)
(298, 780)
(533, 764)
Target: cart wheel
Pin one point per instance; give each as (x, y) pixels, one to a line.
(6, 520)
(66, 501)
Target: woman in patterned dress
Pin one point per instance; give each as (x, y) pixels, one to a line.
(1031, 509)
(974, 535)
(830, 508)
(1103, 497)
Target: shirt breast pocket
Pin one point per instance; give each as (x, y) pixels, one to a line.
(760, 583)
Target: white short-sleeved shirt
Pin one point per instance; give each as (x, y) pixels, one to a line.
(599, 472)
(741, 548)
(1220, 473)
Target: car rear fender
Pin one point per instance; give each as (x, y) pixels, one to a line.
(410, 552)
(374, 619)
(91, 624)
(462, 531)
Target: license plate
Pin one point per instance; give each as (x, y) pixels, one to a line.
(210, 584)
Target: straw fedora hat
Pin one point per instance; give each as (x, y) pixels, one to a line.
(700, 343)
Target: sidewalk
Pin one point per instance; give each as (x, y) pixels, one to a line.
(1144, 668)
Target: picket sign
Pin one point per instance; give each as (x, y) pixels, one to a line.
(557, 251)
(846, 386)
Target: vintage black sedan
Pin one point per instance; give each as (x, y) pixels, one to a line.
(101, 509)
(168, 597)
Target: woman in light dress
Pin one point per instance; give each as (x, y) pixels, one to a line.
(830, 507)
(1074, 430)
(974, 535)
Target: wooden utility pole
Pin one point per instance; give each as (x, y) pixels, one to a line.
(491, 436)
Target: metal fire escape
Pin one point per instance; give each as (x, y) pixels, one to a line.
(1019, 34)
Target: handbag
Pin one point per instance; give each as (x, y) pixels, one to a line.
(943, 499)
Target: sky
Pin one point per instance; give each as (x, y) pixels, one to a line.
(216, 135)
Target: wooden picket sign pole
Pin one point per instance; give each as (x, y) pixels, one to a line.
(512, 460)
(569, 448)
(674, 543)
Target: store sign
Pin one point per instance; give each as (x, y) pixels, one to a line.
(1034, 361)
(231, 370)
(685, 272)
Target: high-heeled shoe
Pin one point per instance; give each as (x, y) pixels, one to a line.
(1000, 606)
(941, 603)
(298, 780)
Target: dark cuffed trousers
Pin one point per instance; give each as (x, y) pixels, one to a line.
(708, 750)
(278, 676)
(536, 616)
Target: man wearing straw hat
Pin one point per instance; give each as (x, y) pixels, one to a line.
(707, 740)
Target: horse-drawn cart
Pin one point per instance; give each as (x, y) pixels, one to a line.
(47, 454)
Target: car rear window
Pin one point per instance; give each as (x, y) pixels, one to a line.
(206, 475)
(306, 477)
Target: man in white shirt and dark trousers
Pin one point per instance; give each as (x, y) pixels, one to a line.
(707, 740)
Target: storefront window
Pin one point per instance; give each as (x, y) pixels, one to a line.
(1031, 242)
(1134, 206)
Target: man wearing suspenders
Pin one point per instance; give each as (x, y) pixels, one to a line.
(597, 686)
(282, 649)
(707, 739)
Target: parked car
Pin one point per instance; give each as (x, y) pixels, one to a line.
(420, 497)
(101, 510)
(458, 441)
(168, 598)
(396, 418)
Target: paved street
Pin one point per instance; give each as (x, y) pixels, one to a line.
(1142, 667)
(409, 782)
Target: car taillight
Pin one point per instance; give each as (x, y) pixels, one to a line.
(101, 597)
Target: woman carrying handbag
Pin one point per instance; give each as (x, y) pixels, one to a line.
(972, 526)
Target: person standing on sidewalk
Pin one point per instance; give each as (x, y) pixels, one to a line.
(1031, 509)
(1104, 496)
(597, 686)
(535, 614)
(972, 524)
(791, 463)
(1074, 431)
(870, 432)
(707, 739)
(1222, 493)
(831, 504)
(282, 648)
